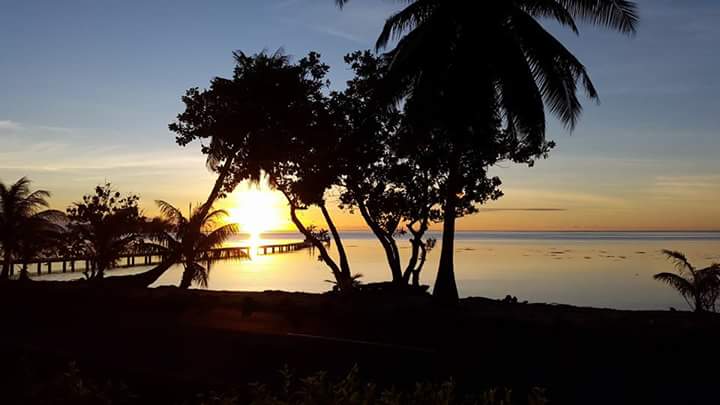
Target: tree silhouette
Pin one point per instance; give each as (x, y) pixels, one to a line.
(699, 287)
(41, 235)
(189, 239)
(267, 119)
(103, 226)
(25, 228)
(466, 69)
(392, 187)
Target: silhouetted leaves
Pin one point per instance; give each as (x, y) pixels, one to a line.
(103, 226)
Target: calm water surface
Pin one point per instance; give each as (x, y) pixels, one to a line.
(600, 269)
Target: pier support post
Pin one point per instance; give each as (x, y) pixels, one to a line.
(39, 268)
(64, 266)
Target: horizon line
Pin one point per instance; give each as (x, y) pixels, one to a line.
(537, 231)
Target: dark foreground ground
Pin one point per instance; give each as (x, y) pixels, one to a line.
(167, 345)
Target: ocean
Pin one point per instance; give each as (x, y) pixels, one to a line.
(599, 269)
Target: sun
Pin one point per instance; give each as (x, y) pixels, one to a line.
(256, 209)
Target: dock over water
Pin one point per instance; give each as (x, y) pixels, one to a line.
(139, 257)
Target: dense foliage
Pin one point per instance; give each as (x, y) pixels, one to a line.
(103, 226)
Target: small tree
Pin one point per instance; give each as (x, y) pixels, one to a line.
(699, 287)
(105, 225)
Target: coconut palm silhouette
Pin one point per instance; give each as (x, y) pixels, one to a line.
(464, 64)
(25, 228)
(190, 238)
(699, 287)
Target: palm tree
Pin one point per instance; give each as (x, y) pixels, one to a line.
(699, 287)
(190, 238)
(40, 235)
(462, 64)
(21, 220)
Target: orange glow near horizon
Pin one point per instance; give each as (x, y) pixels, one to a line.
(256, 209)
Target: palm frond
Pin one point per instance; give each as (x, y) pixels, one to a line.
(20, 187)
(550, 9)
(217, 237)
(679, 259)
(621, 15)
(211, 218)
(54, 216)
(682, 285)
(555, 68)
(170, 212)
(200, 274)
(404, 20)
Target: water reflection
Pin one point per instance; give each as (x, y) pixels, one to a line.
(604, 272)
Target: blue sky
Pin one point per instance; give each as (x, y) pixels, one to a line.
(88, 88)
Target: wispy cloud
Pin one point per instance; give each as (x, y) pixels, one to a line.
(687, 188)
(9, 126)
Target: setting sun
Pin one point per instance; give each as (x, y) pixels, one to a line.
(257, 209)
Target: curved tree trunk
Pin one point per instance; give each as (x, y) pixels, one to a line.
(445, 289)
(388, 244)
(187, 278)
(217, 187)
(344, 265)
(418, 269)
(412, 262)
(343, 282)
(141, 280)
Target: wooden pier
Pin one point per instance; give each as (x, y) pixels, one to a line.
(139, 258)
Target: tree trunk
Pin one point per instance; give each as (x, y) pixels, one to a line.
(187, 278)
(388, 244)
(412, 262)
(217, 188)
(418, 269)
(344, 283)
(7, 263)
(699, 307)
(344, 265)
(445, 289)
(142, 280)
(24, 276)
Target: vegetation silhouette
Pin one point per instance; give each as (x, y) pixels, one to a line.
(271, 119)
(699, 287)
(452, 89)
(394, 189)
(26, 229)
(188, 239)
(103, 226)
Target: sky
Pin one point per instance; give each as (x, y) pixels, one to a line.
(87, 89)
